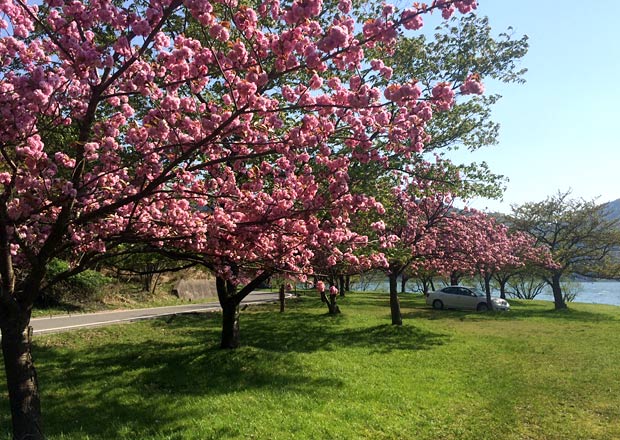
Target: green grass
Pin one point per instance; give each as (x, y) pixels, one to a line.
(531, 373)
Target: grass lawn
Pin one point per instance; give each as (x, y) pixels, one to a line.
(531, 373)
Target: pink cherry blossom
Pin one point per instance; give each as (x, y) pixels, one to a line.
(443, 96)
(472, 85)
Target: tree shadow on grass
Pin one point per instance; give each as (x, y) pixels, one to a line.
(149, 386)
(124, 384)
(119, 386)
(310, 333)
(127, 387)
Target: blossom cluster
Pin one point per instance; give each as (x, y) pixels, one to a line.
(236, 142)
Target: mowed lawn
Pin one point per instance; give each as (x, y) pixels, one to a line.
(531, 373)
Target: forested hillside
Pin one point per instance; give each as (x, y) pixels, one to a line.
(613, 208)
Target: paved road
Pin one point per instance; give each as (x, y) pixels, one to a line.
(61, 323)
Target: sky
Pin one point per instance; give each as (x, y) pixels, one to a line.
(559, 130)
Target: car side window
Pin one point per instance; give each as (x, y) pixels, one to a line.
(450, 290)
(465, 292)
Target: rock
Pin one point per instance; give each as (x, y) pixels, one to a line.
(193, 289)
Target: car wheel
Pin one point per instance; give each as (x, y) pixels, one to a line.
(482, 307)
(437, 304)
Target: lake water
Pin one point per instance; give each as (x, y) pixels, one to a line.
(594, 292)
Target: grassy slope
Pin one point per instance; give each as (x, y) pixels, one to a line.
(114, 296)
(529, 374)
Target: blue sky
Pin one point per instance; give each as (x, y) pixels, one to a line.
(559, 130)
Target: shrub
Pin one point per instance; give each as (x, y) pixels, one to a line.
(82, 286)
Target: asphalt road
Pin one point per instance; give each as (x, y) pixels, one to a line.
(61, 323)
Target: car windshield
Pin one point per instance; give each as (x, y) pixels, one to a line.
(477, 292)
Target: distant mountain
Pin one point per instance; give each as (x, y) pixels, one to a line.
(613, 209)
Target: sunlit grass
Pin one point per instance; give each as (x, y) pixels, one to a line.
(531, 373)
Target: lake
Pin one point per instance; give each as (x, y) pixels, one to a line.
(594, 292)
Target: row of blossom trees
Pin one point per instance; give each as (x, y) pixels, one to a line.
(227, 133)
(422, 233)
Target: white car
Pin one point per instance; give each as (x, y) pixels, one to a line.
(459, 297)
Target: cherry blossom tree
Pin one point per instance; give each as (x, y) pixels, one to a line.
(484, 247)
(287, 245)
(406, 232)
(335, 264)
(464, 45)
(475, 243)
(424, 278)
(190, 124)
(529, 255)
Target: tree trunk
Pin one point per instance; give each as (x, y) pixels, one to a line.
(558, 298)
(332, 306)
(427, 285)
(403, 283)
(347, 283)
(229, 301)
(454, 279)
(487, 290)
(323, 297)
(21, 380)
(230, 325)
(502, 288)
(281, 297)
(424, 286)
(342, 285)
(230, 313)
(146, 282)
(397, 318)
